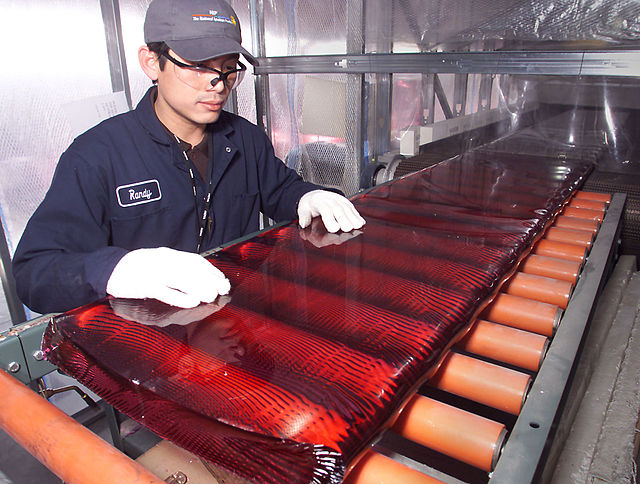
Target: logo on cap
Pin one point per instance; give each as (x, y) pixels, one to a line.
(213, 16)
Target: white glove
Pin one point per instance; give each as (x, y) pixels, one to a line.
(336, 211)
(181, 279)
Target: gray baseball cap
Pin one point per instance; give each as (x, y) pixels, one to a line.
(196, 30)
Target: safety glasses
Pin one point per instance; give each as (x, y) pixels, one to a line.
(199, 76)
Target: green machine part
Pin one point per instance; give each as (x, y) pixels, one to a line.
(20, 353)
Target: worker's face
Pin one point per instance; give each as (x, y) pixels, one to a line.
(188, 96)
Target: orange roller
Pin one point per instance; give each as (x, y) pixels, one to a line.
(503, 343)
(71, 451)
(588, 204)
(565, 222)
(457, 433)
(583, 213)
(560, 250)
(374, 468)
(601, 197)
(541, 265)
(523, 313)
(482, 382)
(540, 288)
(569, 236)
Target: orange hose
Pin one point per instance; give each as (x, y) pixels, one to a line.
(560, 250)
(457, 433)
(588, 204)
(539, 288)
(483, 382)
(569, 236)
(523, 313)
(71, 451)
(601, 197)
(583, 213)
(503, 343)
(565, 222)
(374, 468)
(541, 265)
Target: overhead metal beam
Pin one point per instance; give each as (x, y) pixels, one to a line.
(565, 63)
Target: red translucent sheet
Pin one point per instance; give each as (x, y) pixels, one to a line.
(324, 336)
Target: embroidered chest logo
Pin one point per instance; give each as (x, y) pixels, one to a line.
(138, 193)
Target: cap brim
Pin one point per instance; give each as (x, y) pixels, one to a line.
(207, 48)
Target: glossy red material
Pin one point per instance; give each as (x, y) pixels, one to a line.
(323, 337)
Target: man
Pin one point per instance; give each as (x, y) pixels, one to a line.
(136, 198)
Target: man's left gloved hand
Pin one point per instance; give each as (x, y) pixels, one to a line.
(337, 212)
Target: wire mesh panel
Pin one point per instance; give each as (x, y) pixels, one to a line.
(35, 127)
(305, 27)
(310, 130)
(450, 25)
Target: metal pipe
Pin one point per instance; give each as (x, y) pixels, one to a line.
(16, 309)
(355, 121)
(115, 48)
(263, 106)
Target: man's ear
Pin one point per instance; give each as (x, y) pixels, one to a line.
(149, 62)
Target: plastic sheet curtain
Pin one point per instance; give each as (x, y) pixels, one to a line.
(323, 151)
(305, 27)
(323, 337)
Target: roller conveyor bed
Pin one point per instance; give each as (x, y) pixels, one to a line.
(488, 393)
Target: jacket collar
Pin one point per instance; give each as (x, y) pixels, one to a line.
(149, 120)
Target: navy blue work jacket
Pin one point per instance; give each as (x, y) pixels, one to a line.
(124, 185)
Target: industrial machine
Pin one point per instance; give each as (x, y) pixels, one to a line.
(355, 95)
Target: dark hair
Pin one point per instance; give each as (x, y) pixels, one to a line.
(159, 48)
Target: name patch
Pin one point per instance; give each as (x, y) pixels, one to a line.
(137, 193)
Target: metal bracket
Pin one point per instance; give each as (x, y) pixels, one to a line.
(20, 353)
(12, 358)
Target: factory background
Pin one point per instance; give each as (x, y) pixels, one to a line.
(447, 78)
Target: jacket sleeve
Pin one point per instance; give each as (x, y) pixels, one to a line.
(280, 187)
(63, 259)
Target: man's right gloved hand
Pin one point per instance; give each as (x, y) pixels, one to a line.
(178, 278)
